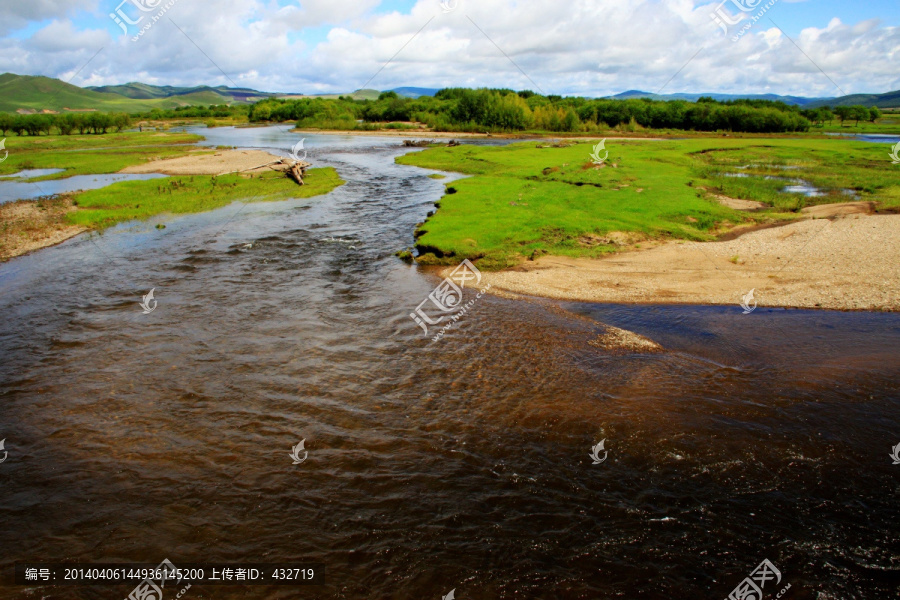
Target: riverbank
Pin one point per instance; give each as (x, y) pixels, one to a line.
(219, 163)
(29, 225)
(200, 180)
(846, 263)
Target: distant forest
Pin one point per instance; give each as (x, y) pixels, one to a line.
(482, 110)
(501, 110)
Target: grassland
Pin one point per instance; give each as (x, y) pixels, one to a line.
(131, 200)
(31, 224)
(91, 154)
(524, 200)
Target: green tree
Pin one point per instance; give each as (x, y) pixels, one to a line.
(6, 122)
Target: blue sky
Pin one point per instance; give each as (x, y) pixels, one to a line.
(586, 47)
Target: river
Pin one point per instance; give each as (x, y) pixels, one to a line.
(461, 464)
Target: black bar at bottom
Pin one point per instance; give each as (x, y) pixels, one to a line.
(168, 575)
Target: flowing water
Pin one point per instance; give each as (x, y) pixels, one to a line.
(462, 464)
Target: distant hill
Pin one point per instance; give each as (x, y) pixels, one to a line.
(366, 94)
(216, 95)
(43, 93)
(888, 100)
(414, 92)
(25, 92)
(370, 94)
(795, 100)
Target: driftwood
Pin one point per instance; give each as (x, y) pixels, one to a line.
(297, 172)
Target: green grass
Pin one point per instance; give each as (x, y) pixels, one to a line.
(888, 125)
(523, 201)
(830, 165)
(130, 200)
(91, 154)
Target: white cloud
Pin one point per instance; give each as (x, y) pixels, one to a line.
(578, 47)
(15, 14)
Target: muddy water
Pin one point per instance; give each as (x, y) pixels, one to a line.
(458, 465)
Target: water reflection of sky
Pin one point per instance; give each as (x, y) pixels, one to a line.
(18, 188)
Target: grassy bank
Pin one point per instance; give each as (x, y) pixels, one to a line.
(130, 200)
(28, 225)
(92, 154)
(523, 201)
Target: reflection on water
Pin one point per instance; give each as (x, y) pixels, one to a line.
(878, 138)
(28, 173)
(11, 190)
(432, 466)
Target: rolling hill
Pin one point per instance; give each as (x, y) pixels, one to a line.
(888, 100)
(25, 92)
(797, 100)
(216, 95)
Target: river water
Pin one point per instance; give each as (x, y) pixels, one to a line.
(460, 464)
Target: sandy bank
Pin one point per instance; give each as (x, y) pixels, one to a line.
(848, 262)
(219, 163)
(30, 225)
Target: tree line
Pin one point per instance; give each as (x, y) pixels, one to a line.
(482, 110)
(496, 110)
(65, 124)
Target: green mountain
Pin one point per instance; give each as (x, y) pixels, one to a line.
(888, 100)
(216, 95)
(366, 94)
(18, 92)
(798, 100)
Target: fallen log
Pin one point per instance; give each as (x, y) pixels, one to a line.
(297, 173)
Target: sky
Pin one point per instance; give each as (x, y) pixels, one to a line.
(813, 48)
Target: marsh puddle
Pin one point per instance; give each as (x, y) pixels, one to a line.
(29, 173)
(877, 138)
(797, 186)
(17, 189)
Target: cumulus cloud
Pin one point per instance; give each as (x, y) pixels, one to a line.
(578, 47)
(15, 14)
